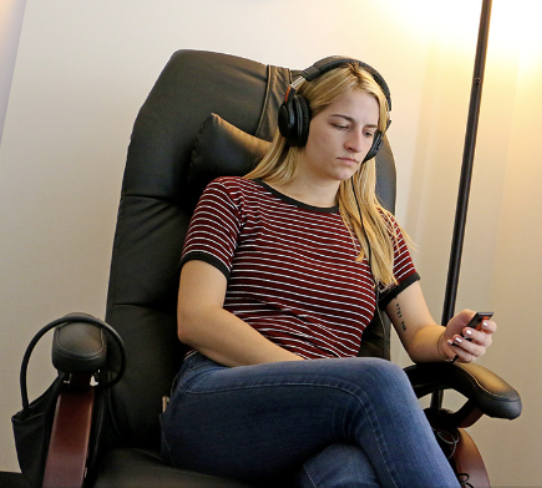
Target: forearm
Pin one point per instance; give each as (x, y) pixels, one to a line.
(226, 339)
(206, 326)
(428, 345)
(423, 339)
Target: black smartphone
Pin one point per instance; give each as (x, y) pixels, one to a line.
(476, 321)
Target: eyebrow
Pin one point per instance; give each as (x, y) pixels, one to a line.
(351, 119)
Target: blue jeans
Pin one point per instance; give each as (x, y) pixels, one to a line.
(327, 423)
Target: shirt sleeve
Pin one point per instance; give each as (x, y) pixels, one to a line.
(214, 228)
(403, 268)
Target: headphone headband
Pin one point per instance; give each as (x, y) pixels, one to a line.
(332, 62)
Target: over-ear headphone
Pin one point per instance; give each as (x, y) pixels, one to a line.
(294, 113)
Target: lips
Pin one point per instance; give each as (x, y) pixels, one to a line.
(349, 161)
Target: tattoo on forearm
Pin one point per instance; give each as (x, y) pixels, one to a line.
(400, 315)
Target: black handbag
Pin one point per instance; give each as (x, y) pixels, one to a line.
(33, 424)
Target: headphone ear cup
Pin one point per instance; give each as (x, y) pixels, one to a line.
(286, 119)
(294, 120)
(303, 120)
(377, 144)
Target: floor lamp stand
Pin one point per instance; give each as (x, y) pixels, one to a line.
(466, 175)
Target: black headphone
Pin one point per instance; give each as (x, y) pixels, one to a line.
(294, 113)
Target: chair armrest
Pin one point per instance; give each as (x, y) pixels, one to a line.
(484, 389)
(79, 348)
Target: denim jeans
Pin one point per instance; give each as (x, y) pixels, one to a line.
(327, 423)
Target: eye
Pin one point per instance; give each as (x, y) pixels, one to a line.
(340, 126)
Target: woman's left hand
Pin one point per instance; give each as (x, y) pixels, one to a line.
(467, 343)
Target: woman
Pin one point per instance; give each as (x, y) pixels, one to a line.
(281, 273)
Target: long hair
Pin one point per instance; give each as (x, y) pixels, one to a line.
(374, 228)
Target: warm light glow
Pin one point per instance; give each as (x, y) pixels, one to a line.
(515, 32)
(454, 23)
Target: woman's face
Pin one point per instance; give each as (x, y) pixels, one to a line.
(340, 137)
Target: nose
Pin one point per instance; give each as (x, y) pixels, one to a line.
(355, 141)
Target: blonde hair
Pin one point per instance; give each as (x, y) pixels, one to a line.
(374, 228)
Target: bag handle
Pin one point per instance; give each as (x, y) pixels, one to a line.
(71, 318)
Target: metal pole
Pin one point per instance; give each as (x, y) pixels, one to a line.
(466, 174)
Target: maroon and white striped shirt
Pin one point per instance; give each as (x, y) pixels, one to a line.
(291, 268)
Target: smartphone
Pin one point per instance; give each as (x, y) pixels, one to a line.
(476, 321)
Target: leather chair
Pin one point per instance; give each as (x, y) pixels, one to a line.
(207, 115)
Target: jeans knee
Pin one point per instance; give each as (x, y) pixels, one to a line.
(393, 373)
(386, 381)
(387, 372)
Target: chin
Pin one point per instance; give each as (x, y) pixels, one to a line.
(346, 175)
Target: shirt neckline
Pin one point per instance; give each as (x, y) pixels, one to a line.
(297, 203)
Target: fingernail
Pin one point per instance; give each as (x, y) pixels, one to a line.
(450, 342)
(468, 332)
(458, 340)
(485, 324)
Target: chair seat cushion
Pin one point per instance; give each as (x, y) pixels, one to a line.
(133, 468)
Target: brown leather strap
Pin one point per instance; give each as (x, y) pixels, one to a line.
(68, 448)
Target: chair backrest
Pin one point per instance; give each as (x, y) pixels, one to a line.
(177, 146)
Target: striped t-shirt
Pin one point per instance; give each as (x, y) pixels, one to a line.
(291, 268)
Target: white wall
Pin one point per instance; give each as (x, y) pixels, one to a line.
(84, 69)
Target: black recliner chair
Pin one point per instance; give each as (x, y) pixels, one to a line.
(207, 115)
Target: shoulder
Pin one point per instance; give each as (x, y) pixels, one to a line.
(233, 185)
(234, 192)
(399, 238)
(390, 221)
